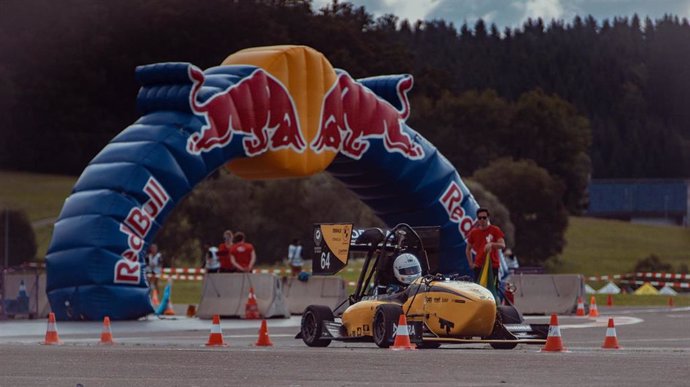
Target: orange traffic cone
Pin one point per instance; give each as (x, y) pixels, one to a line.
(51, 332)
(593, 311)
(402, 336)
(191, 310)
(107, 334)
(215, 339)
(670, 302)
(580, 307)
(251, 309)
(264, 340)
(610, 341)
(609, 300)
(154, 298)
(554, 343)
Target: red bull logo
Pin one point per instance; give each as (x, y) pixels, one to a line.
(352, 114)
(452, 202)
(136, 226)
(262, 109)
(258, 106)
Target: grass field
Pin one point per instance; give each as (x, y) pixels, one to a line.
(597, 247)
(594, 247)
(40, 196)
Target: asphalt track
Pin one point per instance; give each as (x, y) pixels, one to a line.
(171, 352)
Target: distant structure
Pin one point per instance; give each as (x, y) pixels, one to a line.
(650, 201)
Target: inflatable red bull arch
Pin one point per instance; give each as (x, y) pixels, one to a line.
(266, 112)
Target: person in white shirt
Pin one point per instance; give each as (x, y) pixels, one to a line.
(155, 265)
(295, 257)
(511, 259)
(212, 261)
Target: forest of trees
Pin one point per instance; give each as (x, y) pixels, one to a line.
(577, 99)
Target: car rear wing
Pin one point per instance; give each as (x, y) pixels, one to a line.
(332, 243)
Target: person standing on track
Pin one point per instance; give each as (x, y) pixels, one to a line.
(484, 239)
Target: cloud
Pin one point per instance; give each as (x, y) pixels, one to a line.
(513, 13)
(545, 9)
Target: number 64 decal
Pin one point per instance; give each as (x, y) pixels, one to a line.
(325, 260)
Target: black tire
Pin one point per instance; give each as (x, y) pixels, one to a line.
(509, 315)
(312, 325)
(385, 318)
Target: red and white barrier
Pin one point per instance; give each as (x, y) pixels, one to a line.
(682, 285)
(666, 276)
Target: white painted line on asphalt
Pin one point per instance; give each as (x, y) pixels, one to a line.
(587, 322)
(603, 321)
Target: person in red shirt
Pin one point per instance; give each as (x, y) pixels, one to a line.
(242, 254)
(484, 238)
(224, 253)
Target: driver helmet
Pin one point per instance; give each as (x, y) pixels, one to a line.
(406, 268)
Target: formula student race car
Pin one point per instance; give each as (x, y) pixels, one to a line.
(440, 309)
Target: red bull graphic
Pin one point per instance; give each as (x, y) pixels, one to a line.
(352, 115)
(258, 106)
(136, 226)
(452, 202)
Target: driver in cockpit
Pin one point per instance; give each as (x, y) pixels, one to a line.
(406, 269)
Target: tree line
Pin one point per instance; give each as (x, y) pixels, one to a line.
(552, 103)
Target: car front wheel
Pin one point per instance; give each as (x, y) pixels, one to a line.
(312, 325)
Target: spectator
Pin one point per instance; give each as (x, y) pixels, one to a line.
(484, 239)
(295, 257)
(242, 254)
(224, 253)
(511, 259)
(154, 260)
(211, 262)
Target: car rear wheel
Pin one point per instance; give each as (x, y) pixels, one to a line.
(385, 318)
(312, 325)
(509, 315)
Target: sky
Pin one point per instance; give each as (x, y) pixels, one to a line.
(513, 13)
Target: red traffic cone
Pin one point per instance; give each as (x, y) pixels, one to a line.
(610, 341)
(251, 309)
(52, 337)
(107, 334)
(593, 311)
(191, 310)
(264, 340)
(580, 307)
(554, 343)
(609, 300)
(402, 336)
(215, 339)
(670, 302)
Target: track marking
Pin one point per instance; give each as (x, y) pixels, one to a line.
(601, 321)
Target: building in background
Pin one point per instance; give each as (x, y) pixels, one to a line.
(651, 201)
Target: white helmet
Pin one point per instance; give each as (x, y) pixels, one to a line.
(406, 268)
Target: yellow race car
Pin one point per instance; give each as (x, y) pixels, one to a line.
(438, 308)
